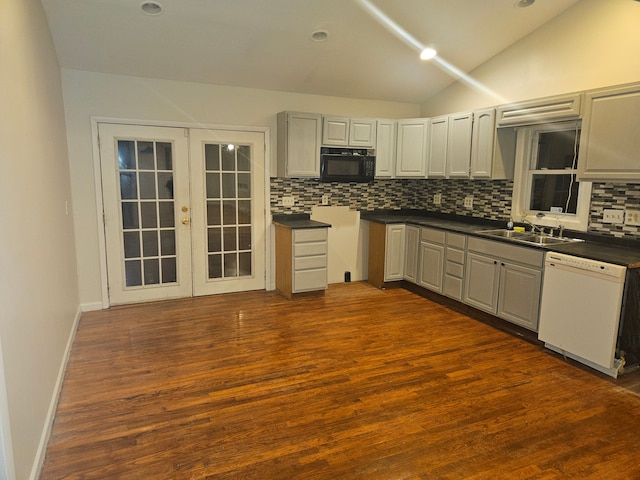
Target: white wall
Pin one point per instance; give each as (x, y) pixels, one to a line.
(93, 94)
(595, 43)
(38, 280)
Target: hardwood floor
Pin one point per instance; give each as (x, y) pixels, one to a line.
(360, 384)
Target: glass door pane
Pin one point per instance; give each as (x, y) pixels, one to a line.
(228, 199)
(148, 221)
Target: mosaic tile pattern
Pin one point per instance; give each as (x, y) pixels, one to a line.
(491, 198)
(617, 196)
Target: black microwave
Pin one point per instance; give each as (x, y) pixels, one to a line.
(339, 164)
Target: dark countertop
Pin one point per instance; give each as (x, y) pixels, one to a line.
(297, 221)
(595, 247)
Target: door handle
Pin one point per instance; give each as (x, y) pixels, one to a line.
(186, 220)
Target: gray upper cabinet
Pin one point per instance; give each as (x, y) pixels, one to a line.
(385, 148)
(482, 140)
(438, 143)
(610, 139)
(459, 145)
(352, 132)
(542, 110)
(411, 147)
(299, 136)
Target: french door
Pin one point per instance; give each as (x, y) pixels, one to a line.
(183, 211)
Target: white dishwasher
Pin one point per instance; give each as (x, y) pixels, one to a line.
(580, 309)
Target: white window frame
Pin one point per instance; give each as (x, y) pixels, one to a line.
(526, 152)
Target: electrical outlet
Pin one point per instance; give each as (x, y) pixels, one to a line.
(325, 199)
(468, 201)
(437, 199)
(288, 201)
(632, 217)
(610, 215)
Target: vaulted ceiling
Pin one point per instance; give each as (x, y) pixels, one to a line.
(371, 52)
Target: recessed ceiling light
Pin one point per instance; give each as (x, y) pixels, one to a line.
(319, 35)
(428, 53)
(523, 3)
(151, 8)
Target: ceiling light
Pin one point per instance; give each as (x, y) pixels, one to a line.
(151, 8)
(523, 3)
(319, 35)
(428, 54)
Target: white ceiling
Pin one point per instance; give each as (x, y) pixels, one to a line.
(266, 43)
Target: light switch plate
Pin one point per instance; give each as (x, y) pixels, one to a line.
(611, 215)
(437, 199)
(288, 201)
(468, 201)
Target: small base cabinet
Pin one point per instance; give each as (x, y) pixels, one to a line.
(301, 260)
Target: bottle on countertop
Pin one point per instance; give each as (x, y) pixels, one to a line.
(510, 224)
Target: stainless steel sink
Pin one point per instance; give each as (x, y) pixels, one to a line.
(505, 233)
(528, 237)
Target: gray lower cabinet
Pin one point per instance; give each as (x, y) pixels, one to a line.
(519, 295)
(411, 252)
(504, 280)
(455, 254)
(432, 247)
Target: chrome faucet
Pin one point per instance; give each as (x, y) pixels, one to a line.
(534, 227)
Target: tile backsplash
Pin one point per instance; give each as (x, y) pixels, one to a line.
(491, 198)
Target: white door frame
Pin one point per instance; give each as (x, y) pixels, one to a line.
(99, 196)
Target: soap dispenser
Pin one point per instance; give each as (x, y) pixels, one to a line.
(510, 224)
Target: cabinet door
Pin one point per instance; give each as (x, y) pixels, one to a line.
(459, 145)
(300, 134)
(362, 132)
(611, 135)
(412, 245)
(481, 282)
(437, 153)
(394, 253)
(482, 140)
(335, 131)
(411, 152)
(431, 266)
(385, 148)
(519, 295)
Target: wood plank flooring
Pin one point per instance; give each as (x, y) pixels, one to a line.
(360, 384)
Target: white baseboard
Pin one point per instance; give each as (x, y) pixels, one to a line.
(90, 307)
(46, 431)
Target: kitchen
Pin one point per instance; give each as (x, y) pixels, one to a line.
(558, 58)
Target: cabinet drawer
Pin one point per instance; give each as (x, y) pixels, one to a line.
(306, 280)
(307, 263)
(454, 269)
(452, 287)
(307, 249)
(310, 235)
(432, 235)
(455, 255)
(456, 240)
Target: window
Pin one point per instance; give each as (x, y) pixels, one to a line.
(546, 191)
